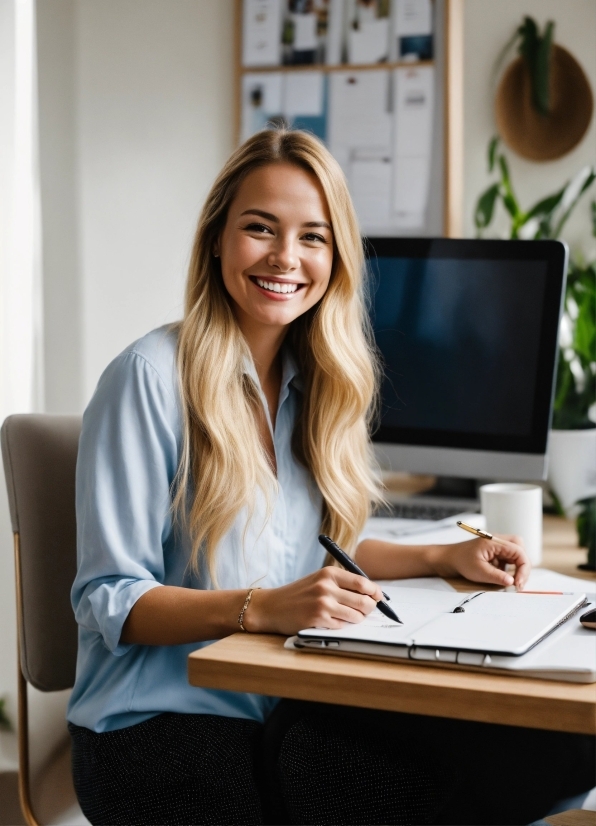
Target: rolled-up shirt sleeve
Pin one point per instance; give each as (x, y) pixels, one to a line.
(127, 462)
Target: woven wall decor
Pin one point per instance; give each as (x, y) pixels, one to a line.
(544, 137)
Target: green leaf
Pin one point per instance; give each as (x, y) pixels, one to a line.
(593, 208)
(492, 150)
(572, 405)
(536, 51)
(587, 183)
(528, 32)
(571, 410)
(584, 339)
(505, 176)
(511, 205)
(586, 278)
(547, 205)
(586, 527)
(485, 206)
(544, 229)
(509, 198)
(564, 383)
(581, 276)
(541, 70)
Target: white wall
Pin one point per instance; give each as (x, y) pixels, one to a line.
(154, 104)
(58, 149)
(488, 27)
(136, 120)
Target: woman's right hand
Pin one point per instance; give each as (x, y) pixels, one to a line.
(329, 598)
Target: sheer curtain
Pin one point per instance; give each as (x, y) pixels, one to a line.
(21, 388)
(21, 374)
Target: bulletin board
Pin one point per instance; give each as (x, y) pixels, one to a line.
(380, 82)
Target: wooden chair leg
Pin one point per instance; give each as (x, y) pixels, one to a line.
(23, 709)
(24, 775)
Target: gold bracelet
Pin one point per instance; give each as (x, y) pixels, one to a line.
(244, 607)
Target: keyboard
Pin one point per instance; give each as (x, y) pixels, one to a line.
(431, 509)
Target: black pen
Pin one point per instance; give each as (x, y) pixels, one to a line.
(349, 564)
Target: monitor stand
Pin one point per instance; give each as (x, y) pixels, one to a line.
(436, 498)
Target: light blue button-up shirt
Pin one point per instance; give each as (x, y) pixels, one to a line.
(127, 544)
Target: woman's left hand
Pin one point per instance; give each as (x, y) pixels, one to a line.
(485, 560)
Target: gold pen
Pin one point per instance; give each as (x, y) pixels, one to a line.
(478, 532)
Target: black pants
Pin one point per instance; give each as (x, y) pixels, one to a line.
(320, 764)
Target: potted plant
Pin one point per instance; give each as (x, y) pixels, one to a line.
(572, 447)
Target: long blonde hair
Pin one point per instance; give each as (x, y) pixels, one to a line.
(223, 459)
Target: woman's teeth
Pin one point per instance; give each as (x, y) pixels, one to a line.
(276, 287)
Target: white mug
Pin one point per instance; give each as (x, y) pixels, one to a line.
(511, 507)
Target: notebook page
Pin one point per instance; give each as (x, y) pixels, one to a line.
(414, 606)
(427, 583)
(569, 649)
(498, 622)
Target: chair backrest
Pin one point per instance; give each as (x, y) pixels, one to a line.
(39, 452)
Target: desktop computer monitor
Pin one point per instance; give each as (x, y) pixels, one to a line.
(467, 332)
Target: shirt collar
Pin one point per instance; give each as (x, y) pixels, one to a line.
(290, 371)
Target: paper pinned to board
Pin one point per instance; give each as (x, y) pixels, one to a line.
(359, 114)
(413, 17)
(370, 43)
(303, 94)
(262, 99)
(305, 31)
(271, 95)
(412, 35)
(261, 32)
(368, 27)
(414, 102)
(370, 184)
(360, 126)
(335, 32)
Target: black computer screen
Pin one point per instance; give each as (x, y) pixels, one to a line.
(462, 340)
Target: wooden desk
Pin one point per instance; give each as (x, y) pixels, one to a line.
(259, 663)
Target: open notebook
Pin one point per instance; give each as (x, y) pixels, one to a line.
(519, 632)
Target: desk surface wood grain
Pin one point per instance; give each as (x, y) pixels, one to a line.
(259, 663)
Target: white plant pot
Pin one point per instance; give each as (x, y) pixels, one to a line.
(572, 465)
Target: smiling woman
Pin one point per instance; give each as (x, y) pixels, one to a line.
(284, 252)
(279, 213)
(278, 267)
(212, 455)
